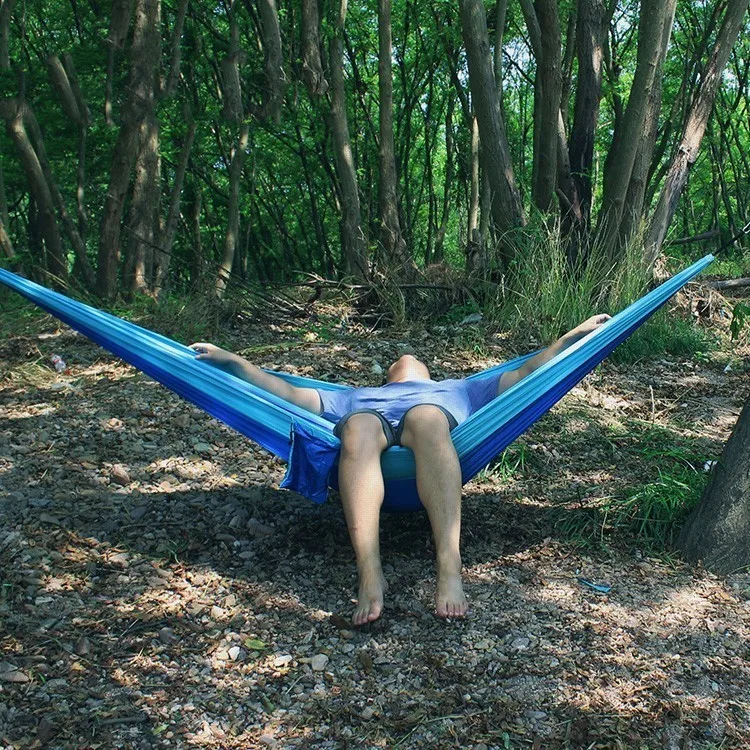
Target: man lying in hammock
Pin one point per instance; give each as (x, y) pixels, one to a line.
(412, 410)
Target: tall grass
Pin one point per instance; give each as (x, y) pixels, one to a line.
(545, 297)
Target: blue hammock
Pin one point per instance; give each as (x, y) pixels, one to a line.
(306, 441)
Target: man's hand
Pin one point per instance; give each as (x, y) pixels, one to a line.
(213, 354)
(594, 322)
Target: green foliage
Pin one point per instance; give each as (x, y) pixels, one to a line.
(648, 513)
(666, 333)
(19, 316)
(511, 464)
(740, 318)
(183, 318)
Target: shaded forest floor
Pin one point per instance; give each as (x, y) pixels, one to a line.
(159, 590)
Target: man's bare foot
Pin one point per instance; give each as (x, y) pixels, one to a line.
(372, 588)
(450, 600)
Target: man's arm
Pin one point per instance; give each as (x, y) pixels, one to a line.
(507, 379)
(305, 398)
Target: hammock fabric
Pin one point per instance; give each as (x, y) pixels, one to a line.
(306, 441)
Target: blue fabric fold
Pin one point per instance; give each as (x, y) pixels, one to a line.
(311, 461)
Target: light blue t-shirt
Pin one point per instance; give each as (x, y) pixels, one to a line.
(459, 397)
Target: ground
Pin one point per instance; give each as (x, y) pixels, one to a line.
(159, 590)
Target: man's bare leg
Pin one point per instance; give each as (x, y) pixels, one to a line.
(427, 433)
(362, 491)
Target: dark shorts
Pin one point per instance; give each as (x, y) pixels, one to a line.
(392, 436)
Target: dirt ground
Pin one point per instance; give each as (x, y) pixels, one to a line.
(159, 590)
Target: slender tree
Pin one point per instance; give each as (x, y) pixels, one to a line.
(391, 237)
(507, 210)
(694, 128)
(352, 237)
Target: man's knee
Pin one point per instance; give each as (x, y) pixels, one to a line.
(425, 422)
(363, 433)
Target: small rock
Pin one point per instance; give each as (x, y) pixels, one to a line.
(235, 653)
(11, 673)
(217, 613)
(230, 601)
(119, 558)
(283, 660)
(82, 646)
(167, 636)
(319, 662)
(520, 644)
(46, 730)
(376, 369)
(139, 512)
(204, 448)
(535, 715)
(367, 713)
(119, 475)
(256, 528)
(41, 502)
(268, 740)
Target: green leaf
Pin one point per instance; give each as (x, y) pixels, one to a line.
(254, 644)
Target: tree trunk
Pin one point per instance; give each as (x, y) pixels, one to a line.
(312, 68)
(83, 125)
(439, 252)
(621, 157)
(176, 56)
(717, 531)
(473, 251)
(352, 238)
(590, 35)
(6, 10)
(231, 237)
(275, 76)
(139, 103)
(634, 201)
(144, 209)
(163, 254)
(391, 238)
(13, 111)
(83, 266)
(543, 24)
(507, 211)
(119, 22)
(694, 129)
(231, 88)
(194, 199)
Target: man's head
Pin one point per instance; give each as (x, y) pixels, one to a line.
(407, 368)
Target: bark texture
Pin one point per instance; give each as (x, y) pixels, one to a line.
(144, 63)
(6, 10)
(352, 236)
(634, 201)
(695, 128)
(543, 23)
(590, 35)
(13, 111)
(275, 75)
(507, 211)
(391, 238)
(232, 234)
(621, 157)
(312, 67)
(718, 529)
